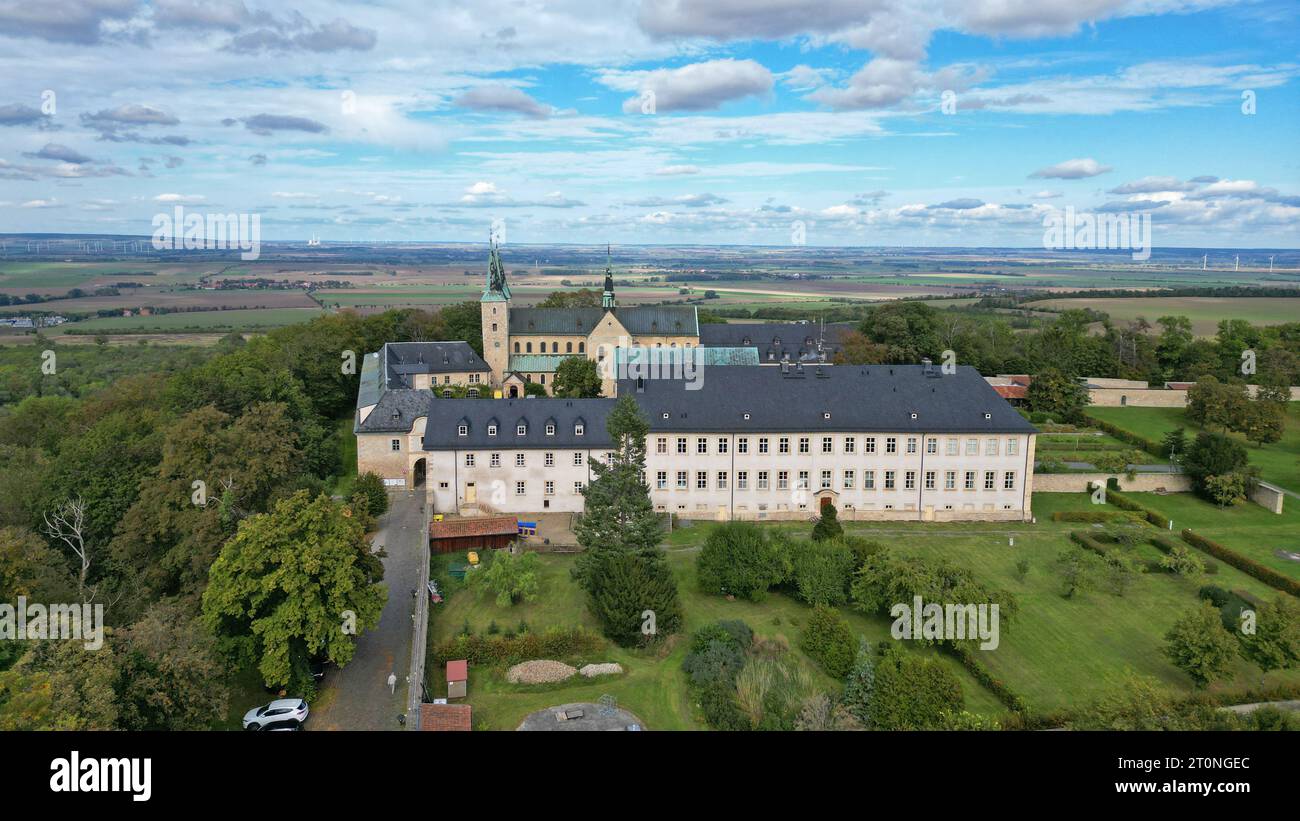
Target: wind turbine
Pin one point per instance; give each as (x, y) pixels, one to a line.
(1204, 259)
(1236, 266)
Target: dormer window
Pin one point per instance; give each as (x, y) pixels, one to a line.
(492, 430)
(550, 430)
(578, 429)
(913, 414)
(746, 417)
(988, 416)
(665, 416)
(827, 415)
(462, 430)
(521, 430)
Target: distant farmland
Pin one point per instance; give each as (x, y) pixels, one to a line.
(197, 321)
(1204, 312)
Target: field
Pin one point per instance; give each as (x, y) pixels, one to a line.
(197, 321)
(1057, 653)
(1204, 312)
(1279, 462)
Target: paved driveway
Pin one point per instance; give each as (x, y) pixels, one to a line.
(356, 697)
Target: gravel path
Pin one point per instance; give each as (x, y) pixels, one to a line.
(356, 697)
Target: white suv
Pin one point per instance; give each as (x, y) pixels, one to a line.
(284, 712)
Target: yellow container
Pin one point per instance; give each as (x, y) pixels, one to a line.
(473, 557)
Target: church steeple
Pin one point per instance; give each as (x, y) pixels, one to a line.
(607, 298)
(496, 286)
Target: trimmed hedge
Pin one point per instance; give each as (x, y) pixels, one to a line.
(1119, 500)
(555, 643)
(1104, 550)
(1149, 445)
(1005, 694)
(1246, 565)
(1087, 516)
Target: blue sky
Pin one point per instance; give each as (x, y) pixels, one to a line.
(427, 121)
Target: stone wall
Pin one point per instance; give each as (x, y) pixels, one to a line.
(1269, 497)
(1141, 483)
(1137, 398)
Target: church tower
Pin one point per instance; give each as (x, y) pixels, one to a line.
(607, 298)
(494, 310)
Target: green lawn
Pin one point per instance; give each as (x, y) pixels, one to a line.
(653, 685)
(345, 445)
(1279, 462)
(1245, 527)
(1057, 653)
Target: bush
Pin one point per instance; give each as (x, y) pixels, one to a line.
(372, 487)
(829, 641)
(733, 632)
(1087, 516)
(739, 559)
(912, 692)
(555, 643)
(716, 657)
(828, 524)
(822, 571)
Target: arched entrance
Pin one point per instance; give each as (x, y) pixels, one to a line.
(420, 468)
(514, 391)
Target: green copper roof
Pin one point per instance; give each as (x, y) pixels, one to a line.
(702, 355)
(536, 362)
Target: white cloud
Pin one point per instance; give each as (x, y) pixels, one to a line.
(696, 87)
(1071, 170)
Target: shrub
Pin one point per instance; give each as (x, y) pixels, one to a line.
(822, 571)
(829, 641)
(1214, 594)
(912, 692)
(828, 524)
(1199, 645)
(555, 643)
(738, 558)
(1094, 516)
(716, 657)
(372, 487)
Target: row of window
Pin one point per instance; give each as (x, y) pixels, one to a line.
(548, 488)
(849, 444)
(521, 429)
(848, 480)
(521, 460)
(474, 379)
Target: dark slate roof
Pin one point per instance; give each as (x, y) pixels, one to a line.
(643, 320)
(777, 340)
(396, 411)
(858, 398)
(403, 359)
(446, 416)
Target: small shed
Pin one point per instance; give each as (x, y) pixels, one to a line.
(457, 678)
(454, 534)
(445, 717)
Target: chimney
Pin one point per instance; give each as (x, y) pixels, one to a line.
(640, 384)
